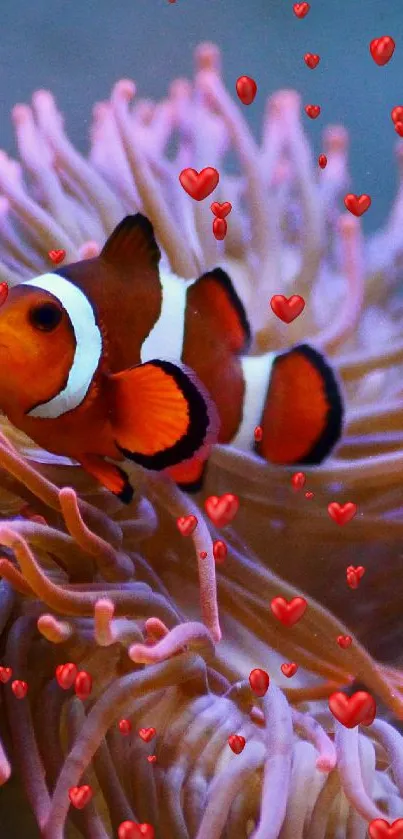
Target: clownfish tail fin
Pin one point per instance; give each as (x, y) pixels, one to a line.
(112, 477)
(303, 417)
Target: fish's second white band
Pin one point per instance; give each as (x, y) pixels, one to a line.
(88, 345)
(167, 335)
(257, 372)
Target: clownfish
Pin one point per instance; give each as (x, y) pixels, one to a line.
(112, 358)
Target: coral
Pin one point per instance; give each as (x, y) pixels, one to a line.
(116, 590)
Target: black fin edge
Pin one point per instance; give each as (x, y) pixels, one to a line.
(225, 281)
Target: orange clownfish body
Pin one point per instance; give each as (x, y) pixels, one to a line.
(112, 358)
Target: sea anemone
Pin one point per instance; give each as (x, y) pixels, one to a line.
(115, 590)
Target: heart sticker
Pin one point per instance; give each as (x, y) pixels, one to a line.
(5, 674)
(246, 89)
(301, 9)
(290, 612)
(259, 681)
(342, 513)
(312, 111)
(289, 669)
(57, 256)
(311, 60)
(186, 524)
(147, 734)
(66, 675)
(236, 743)
(221, 210)
(357, 204)
(80, 796)
(199, 184)
(381, 829)
(358, 709)
(287, 309)
(221, 510)
(133, 830)
(382, 50)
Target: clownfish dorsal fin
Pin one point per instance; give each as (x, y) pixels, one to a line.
(215, 297)
(132, 245)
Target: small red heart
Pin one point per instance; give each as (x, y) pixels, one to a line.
(80, 796)
(221, 510)
(287, 309)
(354, 575)
(298, 480)
(221, 210)
(83, 684)
(399, 128)
(220, 550)
(312, 111)
(322, 160)
(220, 228)
(3, 293)
(259, 681)
(236, 743)
(344, 641)
(19, 689)
(152, 758)
(133, 830)
(258, 434)
(5, 674)
(290, 612)
(358, 709)
(381, 829)
(357, 204)
(397, 113)
(125, 726)
(382, 49)
(309, 495)
(57, 256)
(342, 513)
(246, 89)
(301, 9)
(203, 554)
(289, 669)
(199, 184)
(311, 60)
(147, 734)
(186, 524)
(66, 675)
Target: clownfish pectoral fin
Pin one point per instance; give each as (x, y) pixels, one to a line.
(303, 417)
(109, 475)
(189, 476)
(214, 296)
(161, 414)
(132, 246)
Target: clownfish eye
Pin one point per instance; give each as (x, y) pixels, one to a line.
(45, 317)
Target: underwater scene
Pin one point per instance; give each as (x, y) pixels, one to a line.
(201, 419)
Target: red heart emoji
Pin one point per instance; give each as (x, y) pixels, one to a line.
(186, 524)
(312, 111)
(397, 113)
(221, 510)
(80, 796)
(342, 513)
(236, 743)
(83, 684)
(19, 689)
(288, 612)
(301, 9)
(221, 210)
(382, 49)
(399, 128)
(125, 726)
(66, 675)
(309, 495)
(199, 184)
(133, 830)
(287, 309)
(246, 89)
(5, 674)
(203, 554)
(147, 734)
(381, 829)
(354, 575)
(220, 550)
(311, 60)
(357, 204)
(360, 708)
(322, 160)
(298, 480)
(3, 293)
(344, 641)
(152, 758)
(220, 228)
(258, 434)
(289, 669)
(259, 681)
(57, 256)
